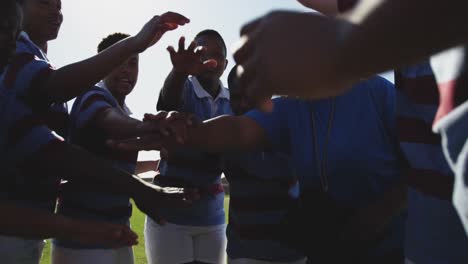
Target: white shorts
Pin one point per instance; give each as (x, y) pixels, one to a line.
(16, 250)
(254, 261)
(61, 255)
(176, 244)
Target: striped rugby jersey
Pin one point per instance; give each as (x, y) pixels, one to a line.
(434, 233)
(452, 119)
(29, 127)
(86, 204)
(192, 168)
(263, 191)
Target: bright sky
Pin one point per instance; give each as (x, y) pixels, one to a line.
(86, 22)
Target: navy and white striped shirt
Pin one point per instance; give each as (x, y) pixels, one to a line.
(88, 204)
(263, 190)
(192, 168)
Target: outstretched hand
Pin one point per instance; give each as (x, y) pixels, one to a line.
(189, 61)
(154, 29)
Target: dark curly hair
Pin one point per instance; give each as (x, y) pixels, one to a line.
(111, 40)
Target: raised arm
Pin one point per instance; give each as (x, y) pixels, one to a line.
(185, 62)
(72, 80)
(328, 55)
(426, 27)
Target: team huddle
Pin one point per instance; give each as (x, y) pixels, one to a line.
(345, 167)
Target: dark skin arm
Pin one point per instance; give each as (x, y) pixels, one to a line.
(74, 79)
(113, 123)
(48, 225)
(327, 7)
(379, 34)
(90, 172)
(185, 62)
(239, 133)
(329, 54)
(145, 166)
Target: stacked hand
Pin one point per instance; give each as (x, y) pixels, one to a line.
(162, 131)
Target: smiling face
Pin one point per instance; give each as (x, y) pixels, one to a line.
(214, 50)
(122, 79)
(42, 19)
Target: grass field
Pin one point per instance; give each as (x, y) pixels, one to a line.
(138, 222)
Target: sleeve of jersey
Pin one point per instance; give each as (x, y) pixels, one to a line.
(90, 105)
(273, 123)
(28, 75)
(28, 136)
(184, 103)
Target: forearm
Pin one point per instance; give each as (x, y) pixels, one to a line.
(171, 93)
(227, 134)
(326, 7)
(74, 79)
(83, 168)
(116, 125)
(17, 222)
(145, 166)
(382, 42)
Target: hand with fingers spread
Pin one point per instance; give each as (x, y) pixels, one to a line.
(154, 29)
(153, 198)
(291, 53)
(189, 61)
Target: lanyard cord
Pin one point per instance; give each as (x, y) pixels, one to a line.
(321, 165)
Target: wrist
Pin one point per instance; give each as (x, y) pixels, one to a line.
(179, 72)
(132, 45)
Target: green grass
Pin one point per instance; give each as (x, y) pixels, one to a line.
(138, 223)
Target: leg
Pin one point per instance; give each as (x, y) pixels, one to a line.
(210, 244)
(62, 255)
(167, 244)
(16, 250)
